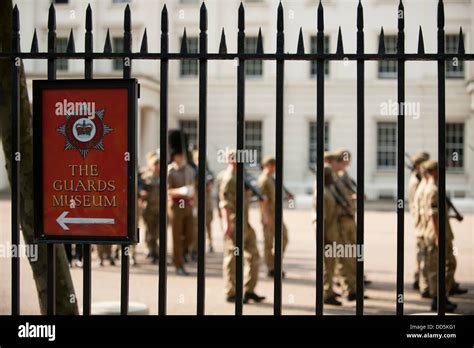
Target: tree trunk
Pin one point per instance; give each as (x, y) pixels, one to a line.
(66, 303)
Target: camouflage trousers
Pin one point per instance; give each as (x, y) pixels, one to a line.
(251, 262)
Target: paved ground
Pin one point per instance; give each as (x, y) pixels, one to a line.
(299, 264)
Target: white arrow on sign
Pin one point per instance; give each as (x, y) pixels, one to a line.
(62, 220)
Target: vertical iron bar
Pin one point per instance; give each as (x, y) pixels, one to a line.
(360, 159)
(51, 250)
(400, 160)
(441, 164)
(320, 163)
(15, 162)
(164, 159)
(201, 285)
(127, 69)
(86, 253)
(279, 133)
(239, 231)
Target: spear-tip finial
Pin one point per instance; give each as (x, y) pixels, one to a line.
(16, 18)
(300, 49)
(127, 19)
(203, 17)
(89, 18)
(34, 43)
(360, 16)
(241, 17)
(70, 43)
(461, 42)
(164, 19)
(222, 44)
(184, 43)
(421, 44)
(280, 18)
(259, 42)
(144, 45)
(340, 46)
(440, 14)
(52, 17)
(381, 42)
(320, 16)
(108, 43)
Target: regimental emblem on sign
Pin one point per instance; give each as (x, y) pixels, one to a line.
(84, 133)
(85, 160)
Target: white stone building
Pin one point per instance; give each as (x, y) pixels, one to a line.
(300, 82)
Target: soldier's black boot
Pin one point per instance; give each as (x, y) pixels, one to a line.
(450, 306)
(230, 298)
(253, 296)
(457, 290)
(332, 301)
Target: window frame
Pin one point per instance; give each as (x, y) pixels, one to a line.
(388, 69)
(387, 148)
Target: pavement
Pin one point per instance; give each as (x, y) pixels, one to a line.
(299, 290)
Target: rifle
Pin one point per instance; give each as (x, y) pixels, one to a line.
(457, 215)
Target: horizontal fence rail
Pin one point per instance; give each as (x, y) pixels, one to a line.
(280, 57)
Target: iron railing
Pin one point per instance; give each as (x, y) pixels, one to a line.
(164, 56)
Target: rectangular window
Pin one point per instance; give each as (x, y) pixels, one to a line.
(314, 50)
(189, 67)
(190, 128)
(61, 46)
(61, 1)
(313, 142)
(252, 67)
(386, 145)
(120, 1)
(117, 46)
(454, 68)
(455, 147)
(388, 68)
(254, 140)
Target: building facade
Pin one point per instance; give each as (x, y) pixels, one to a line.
(300, 81)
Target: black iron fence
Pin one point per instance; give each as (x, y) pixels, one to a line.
(164, 56)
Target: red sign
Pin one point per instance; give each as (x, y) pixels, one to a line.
(85, 160)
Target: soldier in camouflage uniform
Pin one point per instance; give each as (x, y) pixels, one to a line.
(227, 202)
(431, 235)
(150, 194)
(416, 185)
(266, 184)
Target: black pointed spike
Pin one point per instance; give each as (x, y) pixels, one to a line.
(360, 16)
(184, 43)
(127, 19)
(241, 17)
(280, 18)
(300, 49)
(440, 14)
(108, 43)
(164, 19)
(381, 42)
(52, 18)
(222, 44)
(70, 43)
(401, 16)
(34, 43)
(144, 46)
(89, 18)
(203, 17)
(421, 44)
(461, 42)
(320, 17)
(16, 19)
(340, 46)
(259, 42)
